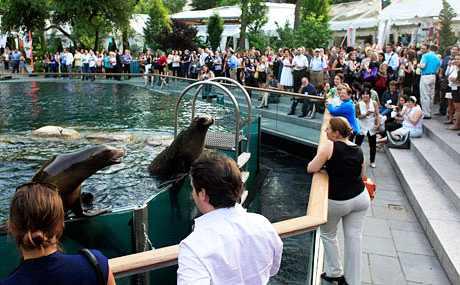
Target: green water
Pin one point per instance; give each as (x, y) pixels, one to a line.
(89, 108)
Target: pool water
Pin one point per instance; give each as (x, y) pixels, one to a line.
(89, 108)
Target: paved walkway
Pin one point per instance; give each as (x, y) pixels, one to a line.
(395, 250)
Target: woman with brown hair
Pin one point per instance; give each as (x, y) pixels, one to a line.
(348, 201)
(36, 223)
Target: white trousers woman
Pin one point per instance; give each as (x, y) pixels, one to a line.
(352, 213)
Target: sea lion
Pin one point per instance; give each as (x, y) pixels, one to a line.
(176, 159)
(56, 132)
(68, 171)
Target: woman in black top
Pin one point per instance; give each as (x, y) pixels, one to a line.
(348, 201)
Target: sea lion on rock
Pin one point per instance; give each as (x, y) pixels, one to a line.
(68, 171)
(187, 147)
(56, 132)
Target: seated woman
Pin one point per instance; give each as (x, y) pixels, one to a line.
(412, 121)
(36, 223)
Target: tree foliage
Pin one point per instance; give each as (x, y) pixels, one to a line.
(175, 6)
(157, 23)
(253, 16)
(204, 4)
(215, 29)
(27, 15)
(313, 32)
(446, 35)
(181, 36)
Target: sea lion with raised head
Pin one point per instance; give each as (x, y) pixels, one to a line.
(176, 159)
(68, 171)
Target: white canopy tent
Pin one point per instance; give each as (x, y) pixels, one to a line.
(415, 17)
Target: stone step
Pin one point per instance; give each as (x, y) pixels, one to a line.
(445, 139)
(442, 167)
(437, 214)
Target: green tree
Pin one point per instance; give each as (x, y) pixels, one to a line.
(204, 4)
(306, 8)
(175, 6)
(181, 36)
(28, 15)
(158, 22)
(313, 32)
(215, 29)
(92, 19)
(446, 35)
(253, 15)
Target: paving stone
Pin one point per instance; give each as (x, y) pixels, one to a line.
(422, 268)
(394, 212)
(376, 245)
(376, 227)
(365, 269)
(386, 270)
(412, 242)
(405, 226)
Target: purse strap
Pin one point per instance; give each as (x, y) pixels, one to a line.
(95, 264)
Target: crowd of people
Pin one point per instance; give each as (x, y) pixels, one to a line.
(373, 93)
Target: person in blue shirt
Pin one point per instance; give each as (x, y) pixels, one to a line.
(345, 109)
(36, 223)
(429, 66)
(306, 88)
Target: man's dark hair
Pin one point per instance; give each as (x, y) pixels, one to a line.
(220, 177)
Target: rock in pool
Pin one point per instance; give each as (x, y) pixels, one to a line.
(110, 137)
(56, 132)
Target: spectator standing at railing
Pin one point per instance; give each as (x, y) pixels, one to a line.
(232, 64)
(300, 64)
(36, 224)
(77, 61)
(186, 59)
(346, 109)
(15, 56)
(85, 63)
(6, 59)
(317, 67)
(429, 66)
(126, 62)
(69, 58)
(228, 245)
(287, 80)
(92, 64)
(348, 202)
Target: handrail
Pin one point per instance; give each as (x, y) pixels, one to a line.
(217, 85)
(274, 91)
(316, 215)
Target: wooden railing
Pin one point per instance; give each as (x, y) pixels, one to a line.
(316, 215)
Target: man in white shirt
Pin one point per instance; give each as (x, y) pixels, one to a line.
(69, 60)
(392, 59)
(317, 67)
(228, 245)
(300, 63)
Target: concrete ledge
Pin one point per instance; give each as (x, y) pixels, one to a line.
(439, 218)
(445, 139)
(442, 168)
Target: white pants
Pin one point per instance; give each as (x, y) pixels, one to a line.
(427, 84)
(352, 213)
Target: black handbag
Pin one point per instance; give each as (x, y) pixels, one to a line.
(403, 143)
